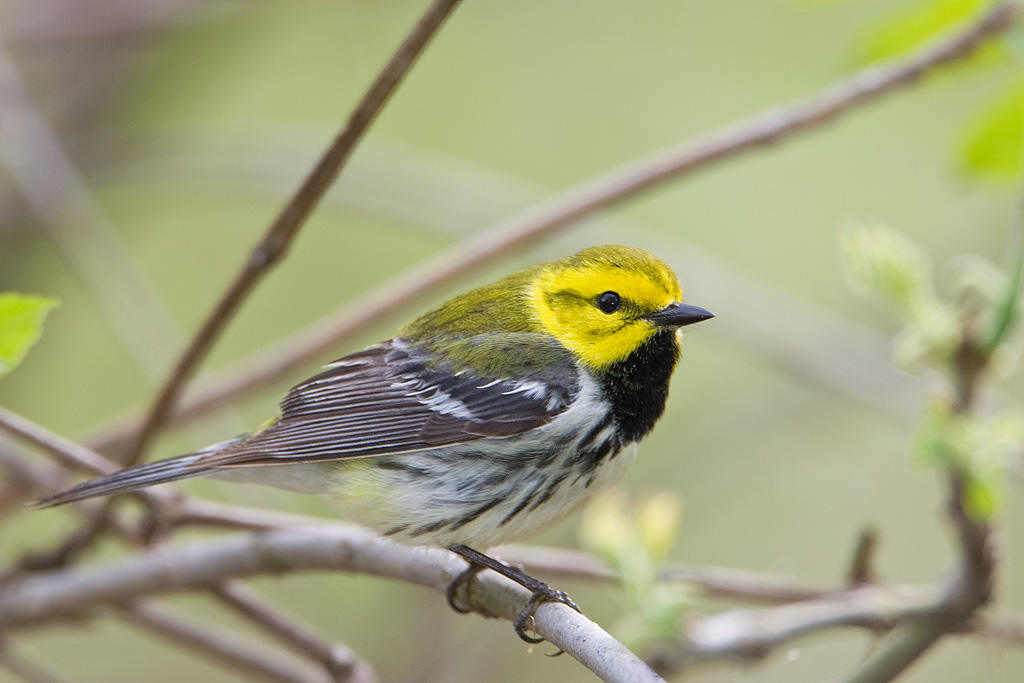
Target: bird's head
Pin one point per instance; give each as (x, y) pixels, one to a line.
(604, 303)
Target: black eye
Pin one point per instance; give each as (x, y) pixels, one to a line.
(609, 302)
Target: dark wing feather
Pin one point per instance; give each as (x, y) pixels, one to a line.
(385, 400)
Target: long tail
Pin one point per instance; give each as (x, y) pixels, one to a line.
(132, 479)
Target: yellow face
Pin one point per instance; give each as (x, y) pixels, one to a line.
(594, 302)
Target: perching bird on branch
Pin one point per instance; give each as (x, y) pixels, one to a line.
(484, 421)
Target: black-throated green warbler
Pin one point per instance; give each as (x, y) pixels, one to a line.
(484, 421)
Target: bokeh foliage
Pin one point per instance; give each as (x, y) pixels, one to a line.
(195, 131)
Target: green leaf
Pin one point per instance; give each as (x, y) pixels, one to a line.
(21, 323)
(917, 26)
(982, 448)
(991, 145)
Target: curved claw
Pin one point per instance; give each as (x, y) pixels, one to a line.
(541, 594)
(452, 592)
(527, 615)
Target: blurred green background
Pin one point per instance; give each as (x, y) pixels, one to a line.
(191, 122)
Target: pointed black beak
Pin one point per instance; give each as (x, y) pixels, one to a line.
(679, 315)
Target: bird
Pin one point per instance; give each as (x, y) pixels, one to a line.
(485, 420)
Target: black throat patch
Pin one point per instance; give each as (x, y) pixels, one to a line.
(638, 385)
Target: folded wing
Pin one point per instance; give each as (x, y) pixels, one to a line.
(386, 400)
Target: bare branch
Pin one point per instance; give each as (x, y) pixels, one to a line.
(221, 647)
(912, 612)
(741, 634)
(279, 236)
(959, 598)
(31, 478)
(340, 662)
(714, 582)
(751, 635)
(737, 634)
(862, 565)
(36, 598)
(572, 205)
(970, 588)
(270, 249)
(72, 455)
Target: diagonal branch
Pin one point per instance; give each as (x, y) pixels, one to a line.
(279, 236)
(68, 453)
(565, 209)
(218, 645)
(340, 662)
(748, 635)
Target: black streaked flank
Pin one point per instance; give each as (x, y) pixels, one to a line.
(522, 504)
(470, 516)
(550, 490)
(430, 528)
(590, 459)
(587, 440)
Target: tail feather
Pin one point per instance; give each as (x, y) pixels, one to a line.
(131, 479)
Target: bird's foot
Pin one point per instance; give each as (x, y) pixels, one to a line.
(541, 591)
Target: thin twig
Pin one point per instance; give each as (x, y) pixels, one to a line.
(862, 565)
(270, 249)
(285, 227)
(749, 635)
(340, 662)
(31, 479)
(713, 582)
(960, 598)
(68, 453)
(219, 646)
(564, 209)
(970, 588)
